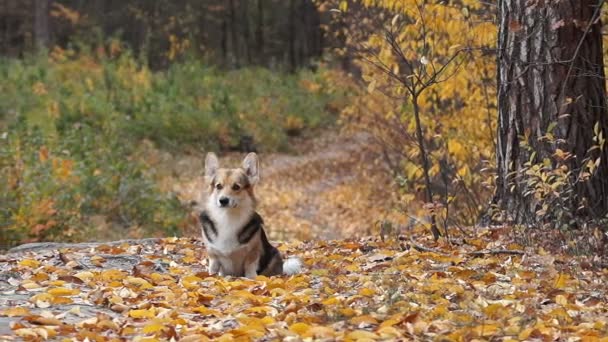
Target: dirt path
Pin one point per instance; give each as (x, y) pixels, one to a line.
(331, 188)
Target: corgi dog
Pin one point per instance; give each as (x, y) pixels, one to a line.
(232, 229)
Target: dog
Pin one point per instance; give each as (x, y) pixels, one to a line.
(232, 230)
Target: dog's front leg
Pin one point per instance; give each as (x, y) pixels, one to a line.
(214, 265)
(251, 270)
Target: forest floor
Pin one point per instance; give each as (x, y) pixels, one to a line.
(349, 290)
(326, 202)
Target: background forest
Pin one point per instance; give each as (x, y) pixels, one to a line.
(100, 100)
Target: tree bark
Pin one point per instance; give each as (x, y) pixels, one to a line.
(246, 30)
(234, 30)
(41, 24)
(424, 160)
(292, 36)
(259, 33)
(550, 81)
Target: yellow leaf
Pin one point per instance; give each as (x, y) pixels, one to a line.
(29, 263)
(299, 328)
(367, 292)
(371, 86)
(390, 322)
(331, 301)
(61, 300)
(112, 274)
(57, 283)
(139, 282)
(494, 310)
(561, 300)
(191, 278)
(15, 311)
(189, 259)
(106, 324)
(343, 6)
(363, 319)
(389, 332)
(561, 281)
(143, 313)
(84, 276)
(353, 268)
(30, 285)
(62, 291)
(348, 312)
(128, 330)
(561, 314)
(320, 272)
(205, 311)
(152, 328)
(46, 297)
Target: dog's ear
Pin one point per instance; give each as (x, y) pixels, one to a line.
(211, 165)
(251, 165)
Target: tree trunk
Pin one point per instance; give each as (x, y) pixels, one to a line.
(41, 24)
(234, 30)
(424, 160)
(551, 84)
(259, 33)
(246, 30)
(292, 36)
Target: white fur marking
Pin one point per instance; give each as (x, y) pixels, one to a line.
(292, 266)
(228, 222)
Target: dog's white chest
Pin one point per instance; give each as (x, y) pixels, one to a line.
(228, 227)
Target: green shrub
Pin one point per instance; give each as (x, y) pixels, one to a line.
(55, 186)
(70, 125)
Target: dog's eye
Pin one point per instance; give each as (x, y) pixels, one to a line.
(219, 186)
(236, 187)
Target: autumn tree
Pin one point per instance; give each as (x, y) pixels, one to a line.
(551, 159)
(430, 101)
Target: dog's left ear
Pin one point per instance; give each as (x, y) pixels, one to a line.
(211, 165)
(251, 165)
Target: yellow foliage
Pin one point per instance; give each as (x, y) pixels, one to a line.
(441, 56)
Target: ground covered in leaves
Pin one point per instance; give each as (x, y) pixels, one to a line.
(351, 290)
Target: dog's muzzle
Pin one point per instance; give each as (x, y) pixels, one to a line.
(224, 202)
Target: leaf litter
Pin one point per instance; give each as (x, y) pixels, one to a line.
(350, 290)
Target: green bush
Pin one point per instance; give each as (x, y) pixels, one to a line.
(70, 125)
(56, 186)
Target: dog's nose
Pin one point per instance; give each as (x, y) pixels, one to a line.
(224, 201)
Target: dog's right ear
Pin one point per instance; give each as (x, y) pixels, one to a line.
(211, 165)
(251, 165)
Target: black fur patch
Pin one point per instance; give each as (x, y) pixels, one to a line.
(268, 252)
(249, 230)
(208, 226)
